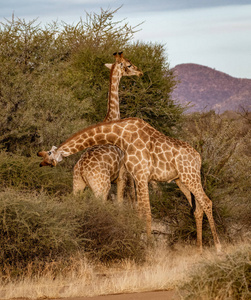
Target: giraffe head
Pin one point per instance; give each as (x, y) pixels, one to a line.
(51, 158)
(125, 67)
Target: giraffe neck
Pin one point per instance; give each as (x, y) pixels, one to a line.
(114, 133)
(113, 112)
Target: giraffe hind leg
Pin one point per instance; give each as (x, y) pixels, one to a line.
(189, 195)
(204, 204)
(196, 210)
(198, 215)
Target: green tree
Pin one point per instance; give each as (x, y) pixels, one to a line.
(149, 98)
(31, 98)
(53, 81)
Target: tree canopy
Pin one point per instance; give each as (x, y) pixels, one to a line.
(53, 81)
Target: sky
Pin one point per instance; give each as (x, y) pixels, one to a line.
(213, 33)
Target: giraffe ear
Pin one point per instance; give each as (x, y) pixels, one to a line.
(41, 153)
(109, 66)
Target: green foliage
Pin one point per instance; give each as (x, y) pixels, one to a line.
(147, 97)
(53, 81)
(33, 228)
(34, 106)
(24, 173)
(110, 231)
(224, 278)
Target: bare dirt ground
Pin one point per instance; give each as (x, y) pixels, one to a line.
(160, 295)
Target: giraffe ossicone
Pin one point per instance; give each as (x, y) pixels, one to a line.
(149, 155)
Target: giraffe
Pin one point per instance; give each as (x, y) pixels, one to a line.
(101, 165)
(148, 155)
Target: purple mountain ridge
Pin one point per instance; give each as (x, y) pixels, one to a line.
(207, 89)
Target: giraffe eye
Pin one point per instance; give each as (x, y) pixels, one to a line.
(49, 152)
(129, 66)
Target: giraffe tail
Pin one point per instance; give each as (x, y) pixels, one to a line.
(193, 203)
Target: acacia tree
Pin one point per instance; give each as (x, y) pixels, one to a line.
(53, 81)
(31, 98)
(149, 97)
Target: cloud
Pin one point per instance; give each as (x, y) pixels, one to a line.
(210, 32)
(62, 7)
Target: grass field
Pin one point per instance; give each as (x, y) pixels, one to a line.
(163, 269)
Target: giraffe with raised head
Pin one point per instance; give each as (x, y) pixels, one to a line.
(148, 155)
(101, 165)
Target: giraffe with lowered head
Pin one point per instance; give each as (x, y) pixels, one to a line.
(148, 155)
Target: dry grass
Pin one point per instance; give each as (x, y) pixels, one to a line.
(164, 269)
(227, 277)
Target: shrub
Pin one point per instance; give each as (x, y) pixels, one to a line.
(33, 228)
(24, 173)
(109, 231)
(36, 229)
(224, 278)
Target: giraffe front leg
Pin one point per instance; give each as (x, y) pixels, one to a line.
(121, 181)
(79, 183)
(143, 205)
(198, 213)
(132, 193)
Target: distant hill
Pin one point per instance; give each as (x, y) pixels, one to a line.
(208, 89)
